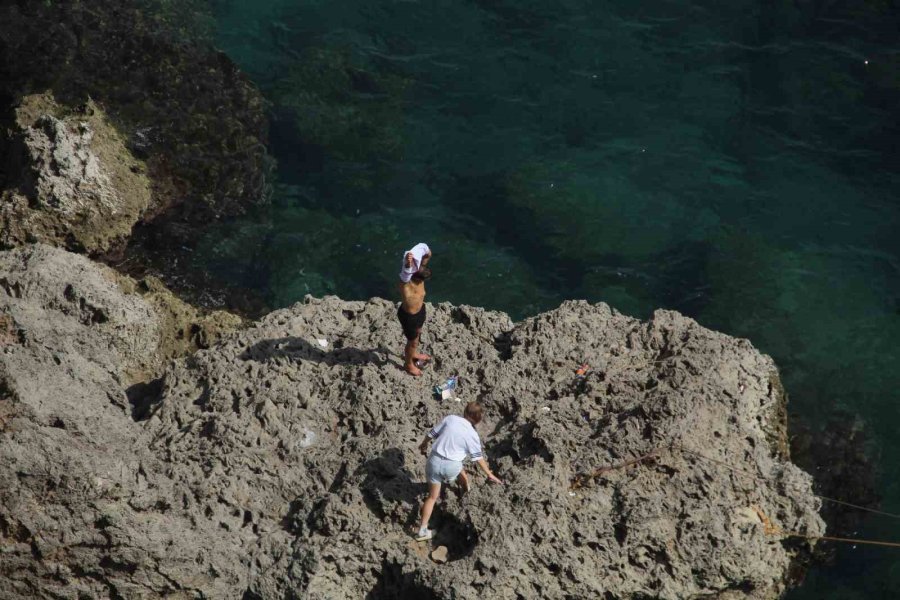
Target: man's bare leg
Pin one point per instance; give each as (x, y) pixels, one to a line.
(410, 357)
(419, 355)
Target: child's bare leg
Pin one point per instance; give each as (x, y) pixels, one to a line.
(463, 481)
(434, 491)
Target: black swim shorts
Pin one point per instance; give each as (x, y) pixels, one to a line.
(411, 323)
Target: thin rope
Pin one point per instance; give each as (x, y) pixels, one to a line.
(761, 478)
(773, 530)
(858, 507)
(768, 527)
(841, 539)
(582, 479)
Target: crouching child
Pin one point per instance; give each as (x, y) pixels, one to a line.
(454, 439)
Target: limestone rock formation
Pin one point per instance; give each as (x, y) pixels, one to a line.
(77, 185)
(267, 466)
(132, 328)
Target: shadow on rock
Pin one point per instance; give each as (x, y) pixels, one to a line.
(394, 584)
(144, 397)
(459, 536)
(389, 489)
(299, 349)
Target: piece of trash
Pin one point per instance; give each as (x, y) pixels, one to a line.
(449, 384)
(582, 371)
(742, 387)
(322, 342)
(439, 555)
(545, 408)
(447, 394)
(309, 438)
(572, 494)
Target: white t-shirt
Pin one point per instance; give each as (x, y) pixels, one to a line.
(418, 251)
(456, 439)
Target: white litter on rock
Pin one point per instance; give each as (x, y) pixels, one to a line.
(309, 438)
(322, 342)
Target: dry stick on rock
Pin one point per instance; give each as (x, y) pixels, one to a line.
(584, 478)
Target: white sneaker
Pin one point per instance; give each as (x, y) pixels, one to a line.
(424, 535)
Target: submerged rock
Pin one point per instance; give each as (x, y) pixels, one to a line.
(267, 466)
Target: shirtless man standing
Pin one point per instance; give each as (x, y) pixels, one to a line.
(411, 312)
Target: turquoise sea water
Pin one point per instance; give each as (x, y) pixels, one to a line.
(733, 161)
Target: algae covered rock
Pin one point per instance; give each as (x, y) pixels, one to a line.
(78, 185)
(267, 466)
(182, 107)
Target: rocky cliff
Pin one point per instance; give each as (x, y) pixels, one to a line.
(268, 466)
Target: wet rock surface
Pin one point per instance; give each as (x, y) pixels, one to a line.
(266, 466)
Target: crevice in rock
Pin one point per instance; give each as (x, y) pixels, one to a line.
(13, 289)
(460, 537)
(394, 584)
(89, 314)
(620, 527)
(503, 344)
(144, 398)
(458, 314)
(109, 563)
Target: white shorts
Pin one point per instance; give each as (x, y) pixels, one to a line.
(440, 470)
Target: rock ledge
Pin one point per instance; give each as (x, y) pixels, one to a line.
(268, 467)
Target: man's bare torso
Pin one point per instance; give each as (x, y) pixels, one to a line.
(412, 296)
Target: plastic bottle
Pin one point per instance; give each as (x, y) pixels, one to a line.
(449, 384)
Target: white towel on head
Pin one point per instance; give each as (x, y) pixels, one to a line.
(418, 251)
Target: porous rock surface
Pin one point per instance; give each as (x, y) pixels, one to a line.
(267, 466)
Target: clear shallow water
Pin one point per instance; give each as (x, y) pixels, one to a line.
(734, 162)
